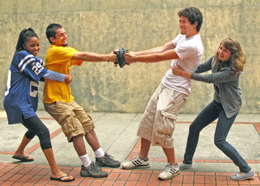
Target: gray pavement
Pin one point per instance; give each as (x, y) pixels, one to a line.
(117, 135)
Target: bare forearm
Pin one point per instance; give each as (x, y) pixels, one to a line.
(89, 56)
(149, 51)
(186, 74)
(153, 58)
(178, 71)
(160, 49)
(93, 57)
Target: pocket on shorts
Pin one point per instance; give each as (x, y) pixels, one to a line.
(167, 127)
(82, 115)
(85, 119)
(70, 126)
(178, 101)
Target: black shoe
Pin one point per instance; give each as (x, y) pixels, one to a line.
(107, 161)
(92, 171)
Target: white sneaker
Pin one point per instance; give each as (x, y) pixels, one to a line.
(239, 177)
(169, 172)
(135, 162)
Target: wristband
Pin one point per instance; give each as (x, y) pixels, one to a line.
(134, 59)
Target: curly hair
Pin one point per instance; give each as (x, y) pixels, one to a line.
(237, 59)
(24, 36)
(193, 14)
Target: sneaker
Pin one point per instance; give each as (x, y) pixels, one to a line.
(239, 177)
(169, 172)
(107, 161)
(135, 162)
(185, 166)
(92, 171)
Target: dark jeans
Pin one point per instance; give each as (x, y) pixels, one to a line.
(211, 112)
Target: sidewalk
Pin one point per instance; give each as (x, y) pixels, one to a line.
(117, 136)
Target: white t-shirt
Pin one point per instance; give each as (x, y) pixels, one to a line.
(190, 51)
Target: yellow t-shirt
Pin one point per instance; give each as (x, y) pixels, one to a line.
(58, 59)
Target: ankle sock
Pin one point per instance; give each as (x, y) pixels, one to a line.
(145, 159)
(99, 153)
(85, 160)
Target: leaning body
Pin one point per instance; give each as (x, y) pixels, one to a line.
(21, 95)
(60, 104)
(58, 59)
(226, 85)
(58, 100)
(226, 66)
(158, 122)
(21, 99)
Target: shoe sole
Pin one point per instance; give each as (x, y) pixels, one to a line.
(250, 175)
(169, 178)
(185, 167)
(246, 178)
(112, 166)
(138, 166)
(94, 176)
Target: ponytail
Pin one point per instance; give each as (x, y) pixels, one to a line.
(24, 36)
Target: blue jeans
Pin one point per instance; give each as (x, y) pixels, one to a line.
(211, 112)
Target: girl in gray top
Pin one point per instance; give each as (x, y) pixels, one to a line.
(227, 66)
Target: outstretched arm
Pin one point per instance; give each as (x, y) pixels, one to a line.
(203, 67)
(223, 76)
(94, 57)
(160, 49)
(158, 54)
(151, 58)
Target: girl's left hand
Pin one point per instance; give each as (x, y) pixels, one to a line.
(68, 78)
(177, 71)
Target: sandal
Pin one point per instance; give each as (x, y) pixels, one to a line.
(23, 159)
(61, 178)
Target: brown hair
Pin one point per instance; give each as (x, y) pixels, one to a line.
(237, 59)
(193, 14)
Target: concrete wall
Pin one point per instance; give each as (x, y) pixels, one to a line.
(101, 26)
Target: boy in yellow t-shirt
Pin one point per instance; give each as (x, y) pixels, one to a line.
(58, 58)
(60, 104)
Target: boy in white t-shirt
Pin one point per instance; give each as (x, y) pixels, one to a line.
(158, 121)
